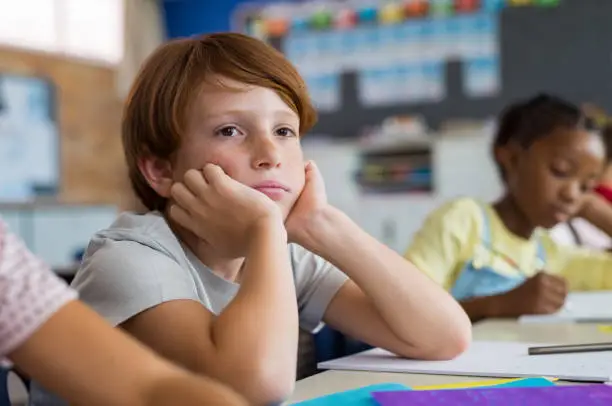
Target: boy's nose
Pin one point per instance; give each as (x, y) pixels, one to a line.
(266, 154)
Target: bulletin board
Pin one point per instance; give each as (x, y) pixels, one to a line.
(442, 62)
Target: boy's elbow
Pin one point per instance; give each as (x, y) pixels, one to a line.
(453, 343)
(270, 391)
(457, 335)
(447, 345)
(264, 385)
(457, 342)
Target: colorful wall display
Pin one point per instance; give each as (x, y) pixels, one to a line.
(399, 49)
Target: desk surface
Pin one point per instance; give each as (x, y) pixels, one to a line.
(501, 330)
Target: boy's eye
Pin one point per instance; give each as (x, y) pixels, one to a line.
(285, 132)
(228, 132)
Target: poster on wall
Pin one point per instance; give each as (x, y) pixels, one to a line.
(29, 139)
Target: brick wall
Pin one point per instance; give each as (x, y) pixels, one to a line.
(92, 165)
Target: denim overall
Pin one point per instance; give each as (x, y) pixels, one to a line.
(478, 279)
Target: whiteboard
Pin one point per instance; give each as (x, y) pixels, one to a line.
(497, 359)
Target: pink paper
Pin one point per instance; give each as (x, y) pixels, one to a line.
(586, 395)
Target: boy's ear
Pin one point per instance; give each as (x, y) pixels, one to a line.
(158, 173)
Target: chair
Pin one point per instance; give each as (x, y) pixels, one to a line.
(5, 399)
(331, 344)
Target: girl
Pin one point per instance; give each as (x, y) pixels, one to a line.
(497, 259)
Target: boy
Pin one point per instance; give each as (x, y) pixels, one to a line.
(206, 278)
(57, 340)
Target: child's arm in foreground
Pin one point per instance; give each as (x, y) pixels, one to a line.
(252, 344)
(71, 350)
(77, 355)
(387, 302)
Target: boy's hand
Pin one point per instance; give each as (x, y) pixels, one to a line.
(540, 294)
(309, 206)
(221, 211)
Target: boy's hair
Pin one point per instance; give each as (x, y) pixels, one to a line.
(156, 111)
(527, 121)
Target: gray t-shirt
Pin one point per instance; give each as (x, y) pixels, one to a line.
(139, 263)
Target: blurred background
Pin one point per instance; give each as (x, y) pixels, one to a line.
(407, 90)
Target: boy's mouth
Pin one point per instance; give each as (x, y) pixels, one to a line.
(274, 190)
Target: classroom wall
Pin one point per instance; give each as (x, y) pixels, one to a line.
(462, 166)
(89, 114)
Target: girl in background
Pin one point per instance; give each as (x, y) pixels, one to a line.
(498, 259)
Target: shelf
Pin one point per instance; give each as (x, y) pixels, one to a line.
(401, 170)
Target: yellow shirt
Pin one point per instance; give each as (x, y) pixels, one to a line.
(453, 236)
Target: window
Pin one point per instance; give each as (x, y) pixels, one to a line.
(90, 29)
(28, 24)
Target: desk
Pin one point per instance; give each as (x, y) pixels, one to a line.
(499, 330)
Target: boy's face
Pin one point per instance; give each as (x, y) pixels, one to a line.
(550, 179)
(250, 133)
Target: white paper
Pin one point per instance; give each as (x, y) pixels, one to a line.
(497, 359)
(580, 307)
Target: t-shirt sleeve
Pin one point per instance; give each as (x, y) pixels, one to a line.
(585, 269)
(29, 292)
(317, 282)
(124, 278)
(438, 246)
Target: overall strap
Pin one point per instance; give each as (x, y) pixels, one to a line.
(541, 252)
(488, 239)
(486, 236)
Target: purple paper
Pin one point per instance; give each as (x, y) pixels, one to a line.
(586, 395)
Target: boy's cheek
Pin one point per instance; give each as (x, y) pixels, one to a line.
(287, 205)
(225, 161)
(220, 162)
